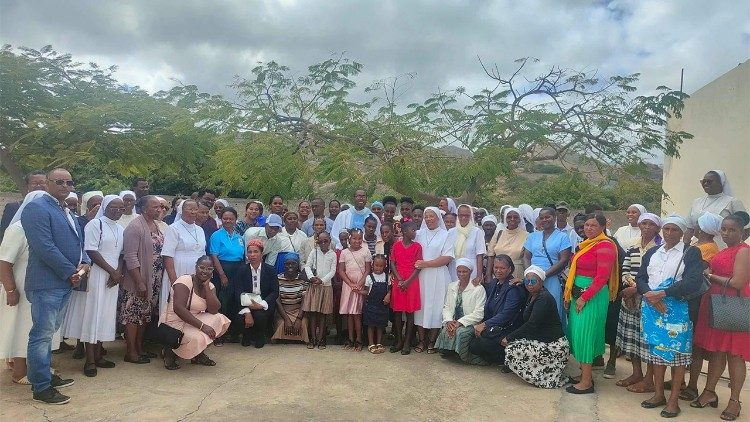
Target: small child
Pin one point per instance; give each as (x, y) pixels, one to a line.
(354, 265)
(318, 301)
(376, 308)
(405, 288)
(370, 237)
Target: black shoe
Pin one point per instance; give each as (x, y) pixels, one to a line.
(259, 345)
(246, 341)
(58, 382)
(51, 396)
(572, 390)
(649, 405)
(104, 363)
(666, 414)
(89, 370)
(505, 369)
(78, 353)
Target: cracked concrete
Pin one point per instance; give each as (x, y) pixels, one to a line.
(289, 382)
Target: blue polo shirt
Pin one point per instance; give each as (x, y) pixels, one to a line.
(226, 247)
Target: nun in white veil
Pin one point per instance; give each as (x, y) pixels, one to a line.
(718, 200)
(434, 277)
(15, 309)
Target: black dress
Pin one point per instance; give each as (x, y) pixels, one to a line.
(375, 312)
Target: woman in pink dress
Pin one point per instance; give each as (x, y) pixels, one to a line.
(193, 308)
(405, 299)
(730, 272)
(354, 266)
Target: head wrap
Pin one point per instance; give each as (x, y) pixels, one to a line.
(650, 217)
(489, 217)
(527, 213)
(178, 214)
(509, 209)
(451, 205)
(676, 220)
(463, 232)
(86, 197)
(725, 186)
(465, 262)
(26, 199)
(640, 208)
(291, 256)
(222, 202)
(105, 202)
(255, 242)
(436, 211)
(72, 195)
(710, 223)
(126, 192)
(502, 210)
(376, 204)
(537, 211)
(534, 269)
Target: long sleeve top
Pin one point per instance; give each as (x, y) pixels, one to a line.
(596, 263)
(503, 304)
(321, 264)
(688, 277)
(541, 320)
(473, 299)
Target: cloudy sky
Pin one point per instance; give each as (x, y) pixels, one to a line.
(208, 42)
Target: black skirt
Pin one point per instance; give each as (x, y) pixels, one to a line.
(375, 312)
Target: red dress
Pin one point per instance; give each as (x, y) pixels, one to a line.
(714, 340)
(404, 258)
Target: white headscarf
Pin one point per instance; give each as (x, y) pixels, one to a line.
(537, 211)
(535, 270)
(72, 195)
(650, 217)
(86, 197)
(223, 202)
(28, 198)
(726, 187)
(126, 192)
(451, 205)
(465, 262)
(640, 208)
(105, 202)
(489, 217)
(441, 223)
(676, 220)
(508, 210)
(526, 213)
(502, 211)
(463, 232)
(710, 223)
(178, 214)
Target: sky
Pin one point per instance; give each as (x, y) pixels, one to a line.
(207, 43)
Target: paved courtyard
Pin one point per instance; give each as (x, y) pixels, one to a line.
(289, 383)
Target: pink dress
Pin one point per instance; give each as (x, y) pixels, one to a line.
(404, 259)
(355, 261)
(711, 339)
(194, 341)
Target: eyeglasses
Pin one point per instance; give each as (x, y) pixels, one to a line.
(165, 208)
(203, 268)
(529, 281)
(60, 182)
(705, 181)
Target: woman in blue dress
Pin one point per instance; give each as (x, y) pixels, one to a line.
(549, 249)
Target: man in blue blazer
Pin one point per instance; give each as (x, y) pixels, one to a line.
(57, 262)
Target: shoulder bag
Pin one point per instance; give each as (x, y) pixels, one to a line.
(705, 284)
(561, 274)
(170, 336)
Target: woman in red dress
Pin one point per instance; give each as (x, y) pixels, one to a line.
(729, 269)
(405, 298)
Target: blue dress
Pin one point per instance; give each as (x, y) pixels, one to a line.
(557, 242)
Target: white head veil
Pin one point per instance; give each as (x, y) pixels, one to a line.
(126, 192)
(451, 205)
(28, 198)
(178, 215)
(726, 187)
(436, 210)
(527, 213)
(105, 202)
(86, 197)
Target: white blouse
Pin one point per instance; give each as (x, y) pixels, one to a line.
(324, 265)
(183, 238)
(663, 265)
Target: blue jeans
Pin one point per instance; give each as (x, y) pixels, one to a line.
(47, 312)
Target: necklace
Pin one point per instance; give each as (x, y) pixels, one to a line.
(432, 238)
(114, 233)
(191, 233)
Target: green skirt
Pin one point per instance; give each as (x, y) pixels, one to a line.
(586, 329)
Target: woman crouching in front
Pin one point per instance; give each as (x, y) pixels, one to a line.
(193, 308)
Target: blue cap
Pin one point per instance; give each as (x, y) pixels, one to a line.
(273, 220)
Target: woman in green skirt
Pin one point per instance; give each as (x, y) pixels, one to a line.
(592, 268)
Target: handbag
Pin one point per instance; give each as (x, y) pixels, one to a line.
(169, 336)
(729, 313)
(561, 275)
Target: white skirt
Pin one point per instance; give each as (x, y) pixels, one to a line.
(92, 315)
(433, 284)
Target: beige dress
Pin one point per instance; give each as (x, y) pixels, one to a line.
(509, 242)
(194, 341)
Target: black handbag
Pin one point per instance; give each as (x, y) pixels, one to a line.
(169, 336)
(729, 313)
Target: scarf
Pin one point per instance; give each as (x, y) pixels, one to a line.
(586, 245)
(462, 234)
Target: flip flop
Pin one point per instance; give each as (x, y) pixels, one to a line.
(202, 359)
(431, 350)
(625, 383)
(22, 381)
(418, 349)
(373, 349)
(640, 389)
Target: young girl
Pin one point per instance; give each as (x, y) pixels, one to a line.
(318, 301)
(376, 305)
(371, 224)
(354, 265)
(405, 285)
(337, 283)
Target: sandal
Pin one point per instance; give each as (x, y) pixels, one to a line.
(22, 381)
(348, 344)
(381, 348)
(641, 387)
(141, 360)
(172, 365)
(322, 344)
(419, 348)
(729, 416)
(202, 359)
(373, 349)
(626, 383)
(310, 345)
(700, 405)
(357, 346)
(150, 355)
(689, 394)
(431, 350)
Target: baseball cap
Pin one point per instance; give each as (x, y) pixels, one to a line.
(562, 205)
(273, 220)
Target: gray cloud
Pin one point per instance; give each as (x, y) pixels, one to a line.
(207, 43)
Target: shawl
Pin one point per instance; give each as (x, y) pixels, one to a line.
(586, 245)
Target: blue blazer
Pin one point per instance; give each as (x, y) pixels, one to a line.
(55, 248)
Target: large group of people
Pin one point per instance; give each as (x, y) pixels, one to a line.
(530, 290)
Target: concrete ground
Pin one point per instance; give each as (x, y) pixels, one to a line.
(288, 382)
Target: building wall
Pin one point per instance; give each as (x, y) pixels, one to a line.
(718, 116)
